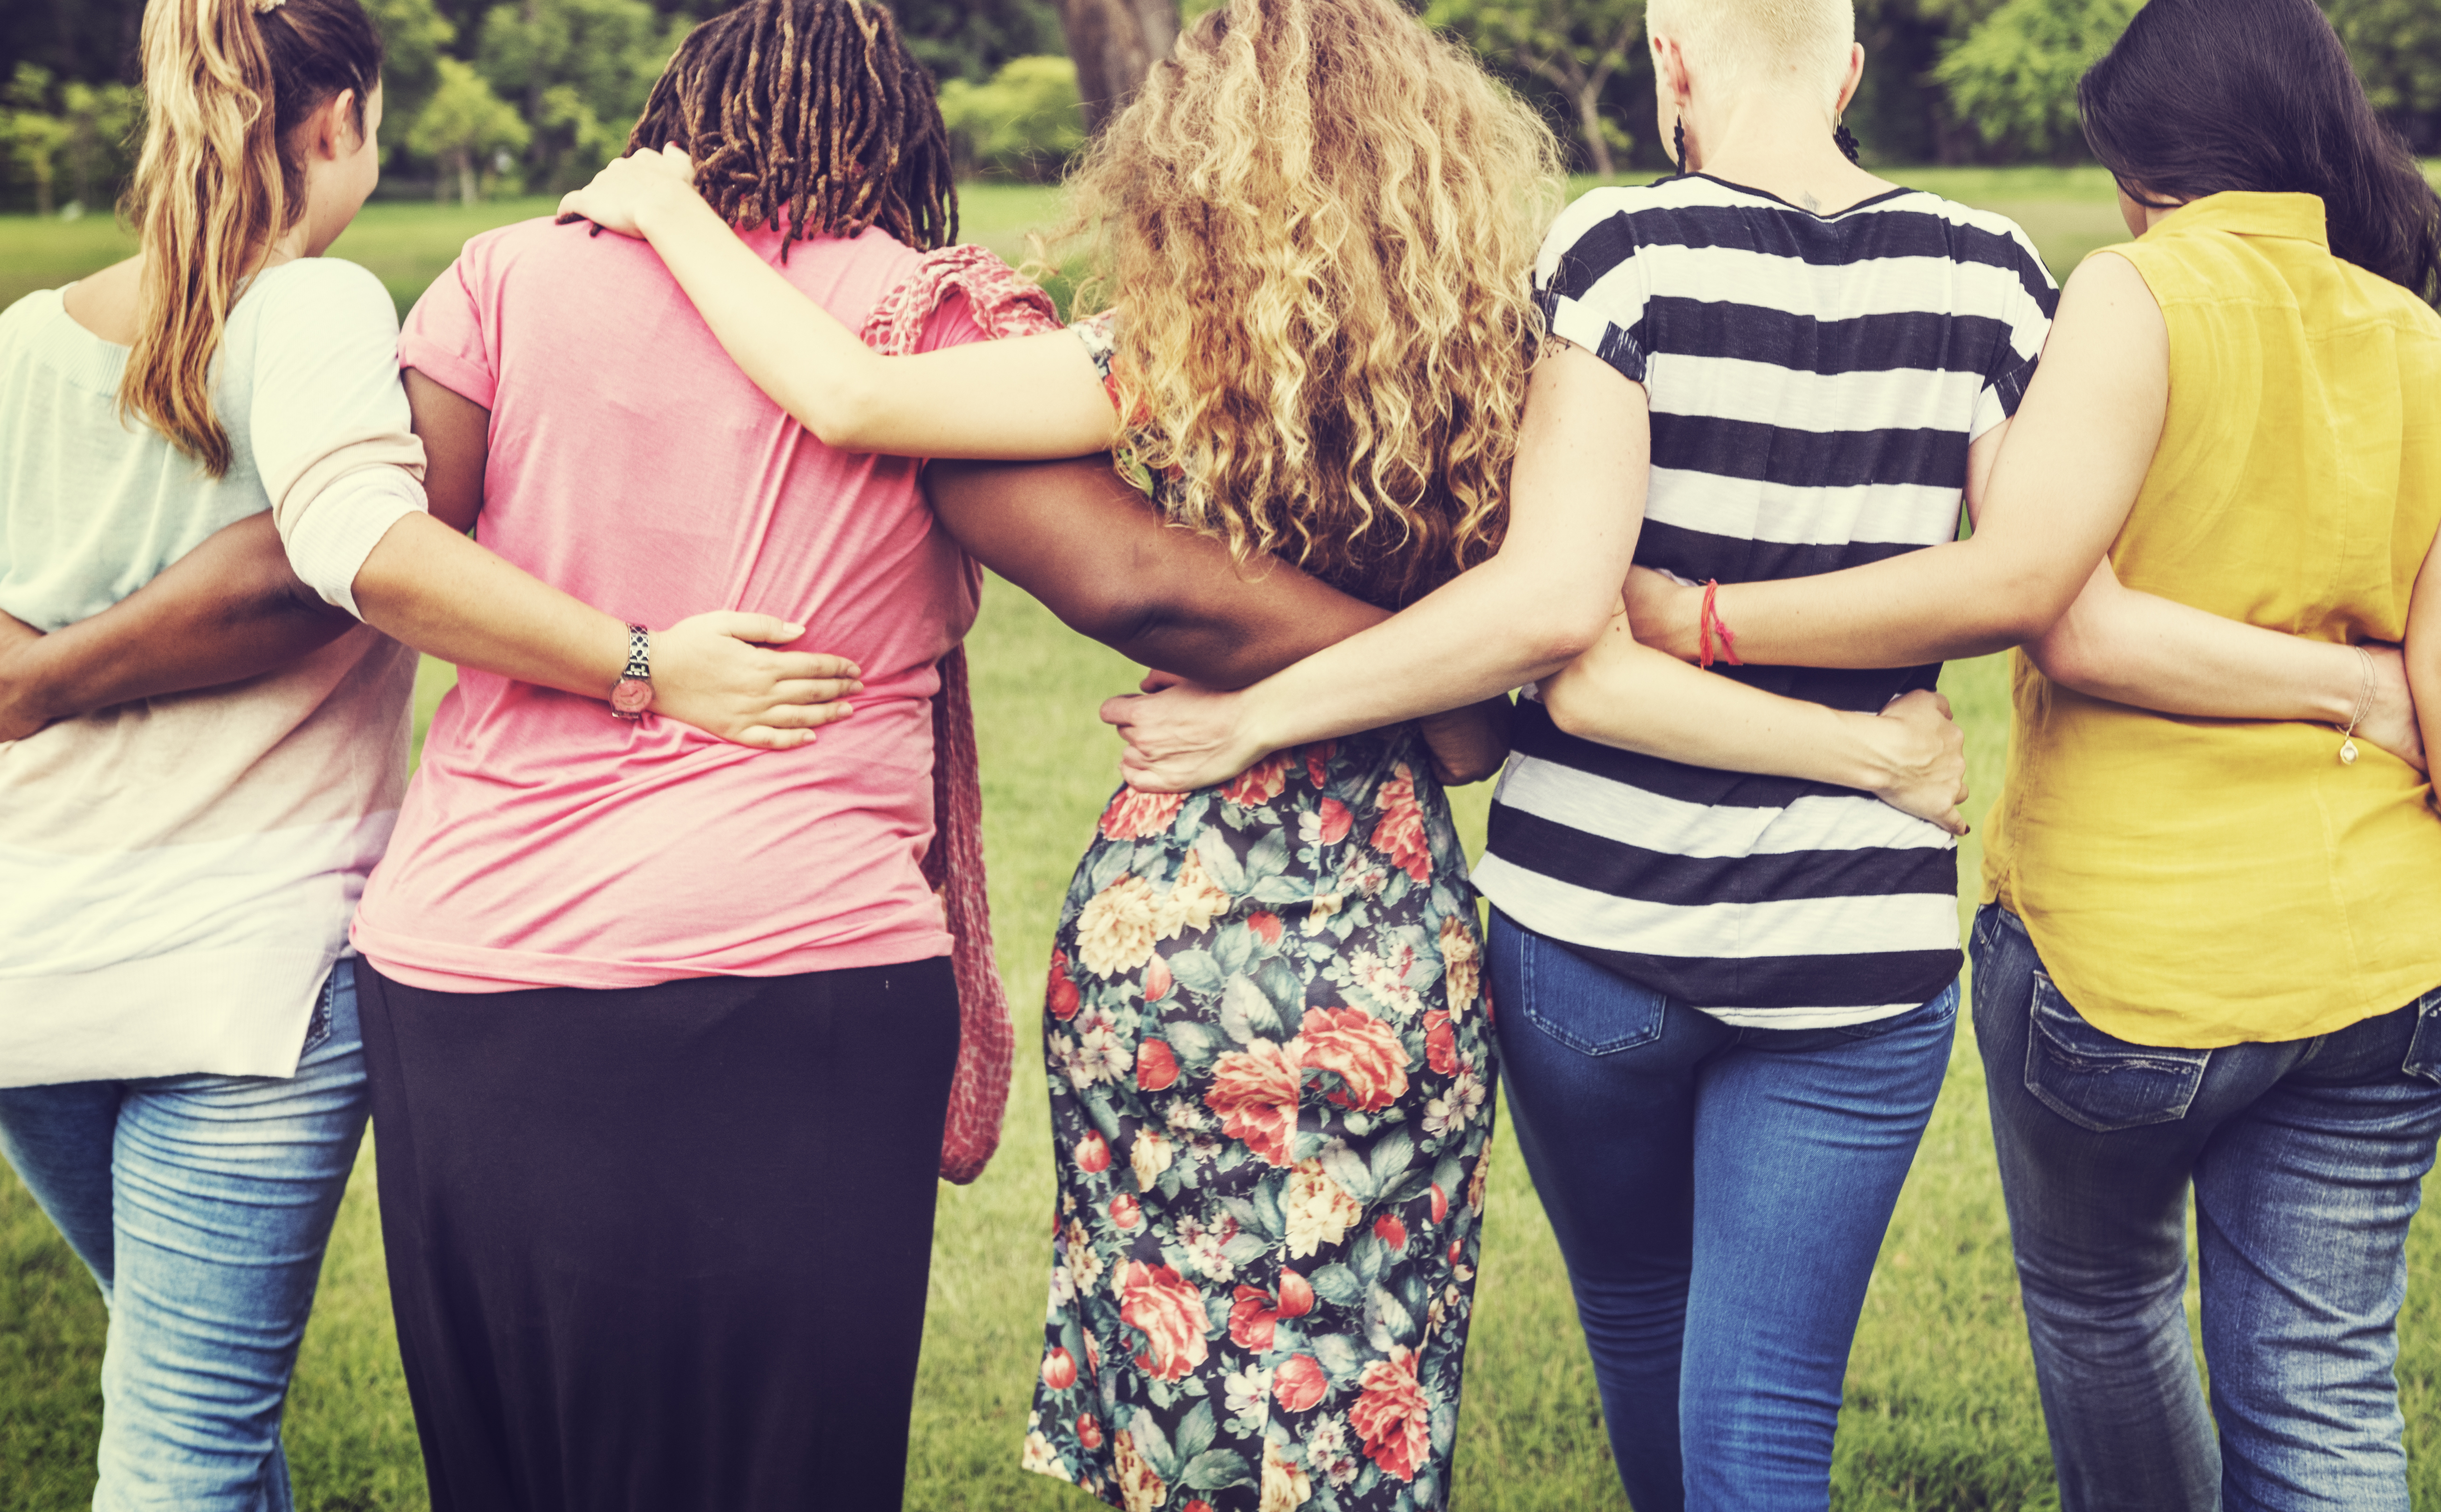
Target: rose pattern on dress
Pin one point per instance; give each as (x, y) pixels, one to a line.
(1269, 1056)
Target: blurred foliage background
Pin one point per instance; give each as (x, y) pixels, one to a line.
(507, 96)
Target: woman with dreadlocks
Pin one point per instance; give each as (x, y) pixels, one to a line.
(660, 1041)
(1270, 1063)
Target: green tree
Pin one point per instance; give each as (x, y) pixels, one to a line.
(415, 35)
(2397, 48)
(1026, 122)
(604, 53)
(2014, 75)
(463, 124)
(1576, 46)
(30, 134)
(99, 150)
(975, 39)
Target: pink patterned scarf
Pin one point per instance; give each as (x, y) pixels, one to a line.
(1002, 304)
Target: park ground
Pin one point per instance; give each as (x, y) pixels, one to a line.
(1940, 1414)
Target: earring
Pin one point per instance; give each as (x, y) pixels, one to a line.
(1846, 138)
(1678, 142)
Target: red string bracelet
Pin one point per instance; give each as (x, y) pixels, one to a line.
(1709, 624)
(1729, 640)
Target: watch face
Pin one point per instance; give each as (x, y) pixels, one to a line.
(631, 698)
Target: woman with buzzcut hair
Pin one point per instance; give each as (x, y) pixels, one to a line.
(1271, 1071)
(1726, 975)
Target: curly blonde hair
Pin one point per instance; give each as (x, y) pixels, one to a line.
(1317, 222)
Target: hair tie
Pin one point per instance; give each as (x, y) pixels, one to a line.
(264, 8)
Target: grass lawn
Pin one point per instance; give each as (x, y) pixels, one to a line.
(1941, 1412)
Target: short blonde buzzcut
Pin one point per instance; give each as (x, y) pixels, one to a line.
(1762, 42)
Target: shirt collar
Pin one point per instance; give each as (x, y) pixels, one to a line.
(2242, 212)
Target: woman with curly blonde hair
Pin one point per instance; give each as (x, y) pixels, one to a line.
(1271, 1068)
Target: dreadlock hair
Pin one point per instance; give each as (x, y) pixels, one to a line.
(811, 111)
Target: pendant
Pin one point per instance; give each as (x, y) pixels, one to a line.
(2347, 753)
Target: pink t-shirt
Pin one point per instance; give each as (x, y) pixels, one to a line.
(544, 843)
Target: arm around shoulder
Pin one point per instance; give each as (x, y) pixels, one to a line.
(2076, 455)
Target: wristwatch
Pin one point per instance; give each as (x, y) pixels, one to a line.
(633, 693)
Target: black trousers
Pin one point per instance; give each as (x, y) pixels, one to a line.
(664, 1248)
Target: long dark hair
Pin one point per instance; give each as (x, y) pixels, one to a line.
(814, 107)
(2205, 95)
(220, 179)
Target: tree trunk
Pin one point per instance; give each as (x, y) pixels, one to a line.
(1589, 120)
(1114, 44)
(466, 187)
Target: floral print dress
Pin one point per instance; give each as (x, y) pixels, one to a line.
(1271, 1068)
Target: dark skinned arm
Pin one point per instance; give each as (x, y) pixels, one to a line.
(457, 435)
(229, 610)
(1098, 555)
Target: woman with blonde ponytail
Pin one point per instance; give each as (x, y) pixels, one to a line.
(207, 478)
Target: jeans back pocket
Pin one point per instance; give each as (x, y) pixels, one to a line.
(2099, 1082)
(1588, 1008)
(317, 1028)
(2424, 1051)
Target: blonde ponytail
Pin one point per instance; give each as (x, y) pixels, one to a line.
(215, 188)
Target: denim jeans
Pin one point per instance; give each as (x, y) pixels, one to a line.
(201, 1204)
(2306, 1158)
(1720, 1194)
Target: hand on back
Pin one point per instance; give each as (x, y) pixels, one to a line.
(1180, 735)
(1926, 753)
(2391, 721)
(717, 673)
(620, 196)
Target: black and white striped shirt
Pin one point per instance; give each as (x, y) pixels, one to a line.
(1815, 383)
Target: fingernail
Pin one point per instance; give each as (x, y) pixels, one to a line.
(793, 630)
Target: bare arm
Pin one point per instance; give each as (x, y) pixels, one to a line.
(2056, 496)
(2423, 647)
(2153, 652)
(1030, 397)
(429, 586)
(1576, 507)
(457, 435)
(2046, 505)
(227, 610)
(1912, 756)
(1099, 556)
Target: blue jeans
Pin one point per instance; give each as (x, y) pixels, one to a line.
(201, 1204)
(1720, 1194)
(2306, 1158)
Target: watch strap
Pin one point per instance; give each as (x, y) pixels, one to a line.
(633, 693)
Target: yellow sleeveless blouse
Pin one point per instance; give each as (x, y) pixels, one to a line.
(2201, 882)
